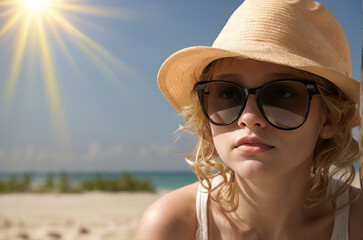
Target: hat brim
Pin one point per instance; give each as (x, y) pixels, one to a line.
(179, 73)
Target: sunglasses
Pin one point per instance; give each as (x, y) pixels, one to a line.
(285, 104)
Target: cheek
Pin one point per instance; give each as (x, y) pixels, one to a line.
(222, 139)
(303, 140)
(302, 146)
(218, 130)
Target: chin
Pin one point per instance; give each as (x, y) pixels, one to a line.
(254, 170)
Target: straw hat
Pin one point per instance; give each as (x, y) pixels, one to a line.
(301, 34)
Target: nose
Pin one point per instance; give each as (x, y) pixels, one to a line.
(251, 116)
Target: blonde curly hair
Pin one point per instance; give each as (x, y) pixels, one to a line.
(332, 157)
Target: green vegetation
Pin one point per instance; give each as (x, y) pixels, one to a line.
(126, 182)
(15, 185)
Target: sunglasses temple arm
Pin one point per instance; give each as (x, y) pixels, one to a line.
(360, 178)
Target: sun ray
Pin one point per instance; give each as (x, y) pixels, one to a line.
(76, 37)
(72, 62)
(10, 23)
(6, 3)
(36, 6)
(35, 24)
(108, 12)
(92, 45)
(17, 62)
(55, 103)
(110, 58)
(9, 12)
(103, 67)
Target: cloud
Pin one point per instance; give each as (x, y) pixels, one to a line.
(95, 156)
(93, 150)
(96, 151)
(155, 149)
(114, 150)
(18, 157)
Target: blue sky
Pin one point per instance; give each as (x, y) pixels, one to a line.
(117, 121)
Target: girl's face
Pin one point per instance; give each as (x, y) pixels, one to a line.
(250, 146)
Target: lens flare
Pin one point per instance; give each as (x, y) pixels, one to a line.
(41, 26)
(36, 5)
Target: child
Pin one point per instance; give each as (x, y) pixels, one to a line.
(273, 105)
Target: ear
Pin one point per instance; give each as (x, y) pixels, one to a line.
(327, 130)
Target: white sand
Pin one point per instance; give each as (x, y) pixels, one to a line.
(88, 216)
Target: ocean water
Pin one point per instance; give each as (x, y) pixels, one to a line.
(167, 180)
(161, 180)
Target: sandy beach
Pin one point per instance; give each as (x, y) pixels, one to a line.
(83, 216)
(91, 216)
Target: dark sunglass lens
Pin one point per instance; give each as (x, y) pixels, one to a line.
(222, 102)
(285, 104)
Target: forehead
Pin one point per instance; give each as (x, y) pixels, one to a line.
(251, 69)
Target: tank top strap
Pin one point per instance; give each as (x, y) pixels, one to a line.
(341, 220)
(201, 210)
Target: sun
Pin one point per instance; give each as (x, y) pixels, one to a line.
(36, 5)
(34, 30)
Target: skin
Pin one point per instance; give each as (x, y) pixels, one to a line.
(271, 168)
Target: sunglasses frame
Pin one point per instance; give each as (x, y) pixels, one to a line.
(310, 87)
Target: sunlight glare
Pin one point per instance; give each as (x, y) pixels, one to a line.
(36, 5)
(46, 21)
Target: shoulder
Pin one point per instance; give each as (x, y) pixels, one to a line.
(173, 216)
(356, 214)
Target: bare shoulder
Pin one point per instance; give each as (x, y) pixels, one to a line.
(356, 214)
(171, 217)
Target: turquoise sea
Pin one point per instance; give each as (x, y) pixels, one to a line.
(161, 180)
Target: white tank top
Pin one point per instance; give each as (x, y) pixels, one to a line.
(341, 221)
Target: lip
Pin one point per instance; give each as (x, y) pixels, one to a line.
(252, 144)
